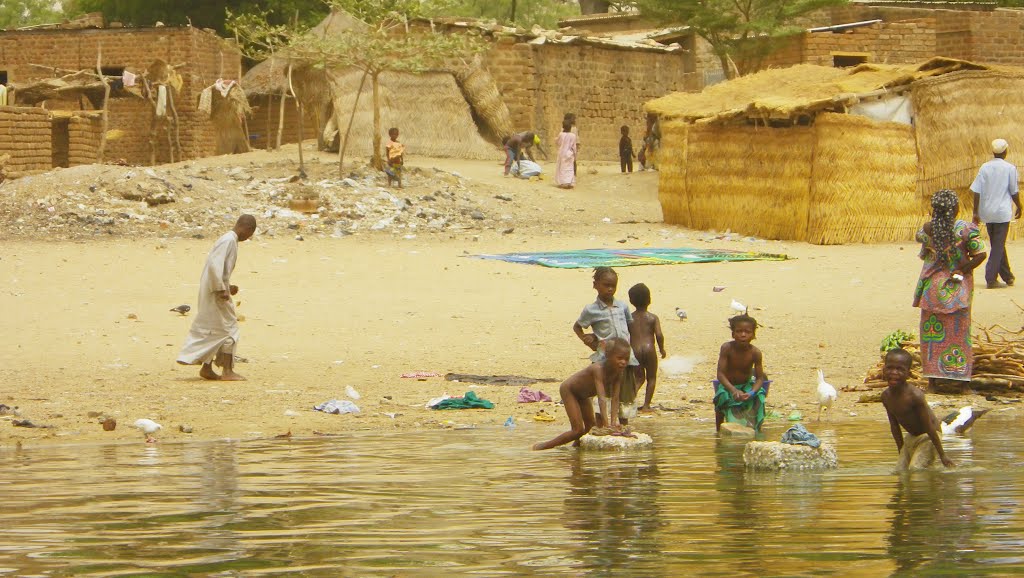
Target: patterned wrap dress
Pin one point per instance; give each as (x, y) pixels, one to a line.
(945, 303)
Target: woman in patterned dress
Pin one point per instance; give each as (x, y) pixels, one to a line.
(951, 249)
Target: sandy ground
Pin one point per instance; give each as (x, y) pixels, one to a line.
(361, 310)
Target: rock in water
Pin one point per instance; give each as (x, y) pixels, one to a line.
(591, 442)
(778, 457)
(736, 430)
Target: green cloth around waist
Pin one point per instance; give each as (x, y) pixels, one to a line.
(749, 412)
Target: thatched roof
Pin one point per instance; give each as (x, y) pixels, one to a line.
(804, 90)
(71, 86)
(271, 75)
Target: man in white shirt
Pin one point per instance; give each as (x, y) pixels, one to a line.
(995, 194)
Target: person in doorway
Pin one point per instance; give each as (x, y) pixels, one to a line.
(995, 199)
(214, 333)
(951, 250)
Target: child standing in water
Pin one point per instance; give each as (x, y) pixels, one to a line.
(395, 152)
(741, 386)
(597, 380)
(906, 407)
(646, 330)
(610, 318)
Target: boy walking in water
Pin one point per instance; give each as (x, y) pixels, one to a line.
(600, 379)
(906, 407)
(645, 331)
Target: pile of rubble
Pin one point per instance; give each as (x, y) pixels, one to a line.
(196, 200)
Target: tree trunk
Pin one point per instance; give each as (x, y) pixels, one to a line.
(376, 160)
(105, 115)
(343, 141)
(298, 107)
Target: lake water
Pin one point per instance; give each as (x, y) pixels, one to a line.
(477, 502)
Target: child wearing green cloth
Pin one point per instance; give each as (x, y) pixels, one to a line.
(741, 385)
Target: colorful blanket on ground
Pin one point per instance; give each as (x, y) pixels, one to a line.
(749, 412)
(590, 258)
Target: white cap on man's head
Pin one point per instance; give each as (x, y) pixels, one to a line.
(999, 146)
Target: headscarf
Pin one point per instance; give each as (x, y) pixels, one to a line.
(945, 204)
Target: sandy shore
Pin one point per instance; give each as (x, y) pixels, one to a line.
(89, 331)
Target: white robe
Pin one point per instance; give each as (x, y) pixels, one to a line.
(215, 325)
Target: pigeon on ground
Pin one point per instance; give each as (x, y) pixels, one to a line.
(826, 394)
(738, 307)
(148, 427)
(680, 314)
(183, 309)
(959, 422)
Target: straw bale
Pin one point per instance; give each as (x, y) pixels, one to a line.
(751, 180)
(429, 110)
(864, 181)
(672, 193)
(957, 117)
(482, 93)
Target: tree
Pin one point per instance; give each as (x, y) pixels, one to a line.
(741, 32)
(388, 42)
(201, 13)
(17, 13)
(524, 13)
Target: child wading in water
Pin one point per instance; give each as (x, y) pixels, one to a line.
(741, 385)
(610, 318)
(395, 152)
(600, 380)
(906, 407)
(646, 330)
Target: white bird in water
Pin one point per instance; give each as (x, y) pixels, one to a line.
(959, 422)
(681, 314)
(826, 394)
(148, 427)
(738, 307)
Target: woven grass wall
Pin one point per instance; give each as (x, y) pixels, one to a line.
(675, 203)
(864, 182)
(957, 117)
(751, 180)
(429, 110)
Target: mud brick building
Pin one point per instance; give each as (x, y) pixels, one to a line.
(73, 134)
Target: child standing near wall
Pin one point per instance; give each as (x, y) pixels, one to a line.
(625, 150)
(395, 152)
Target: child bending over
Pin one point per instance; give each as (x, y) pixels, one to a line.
(741, 386)
(610, 318)
(395, 152)
(646, 330)
(906, 408)
(599, 380)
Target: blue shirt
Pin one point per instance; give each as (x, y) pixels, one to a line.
(608, 322)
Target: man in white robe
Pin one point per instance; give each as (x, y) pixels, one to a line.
(214, 333)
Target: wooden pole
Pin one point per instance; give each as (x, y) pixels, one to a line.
(174, 116)
(298, 107)
(106, 98)
(343, 142)
(280, 115)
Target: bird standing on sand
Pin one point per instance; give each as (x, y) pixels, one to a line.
(148, 427)
(680, 314)
(826, 394)
(182, 309)
(959, 422)
(738, 307)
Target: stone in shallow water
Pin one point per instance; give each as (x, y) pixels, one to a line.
(641, 440)
(777, 456)
(736, 430)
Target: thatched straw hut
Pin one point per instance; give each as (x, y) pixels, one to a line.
(830, 155)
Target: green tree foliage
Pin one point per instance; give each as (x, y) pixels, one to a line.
(741, 32)
(201, 13)
(17, 13)
(524, 13)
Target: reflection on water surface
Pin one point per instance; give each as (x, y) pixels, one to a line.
(477, 502)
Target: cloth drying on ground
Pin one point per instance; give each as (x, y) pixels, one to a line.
(337, 407)
(591, 258)
(468, 401)
(527, 395)
(516, 380)
(798, 435)
(420, 374)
